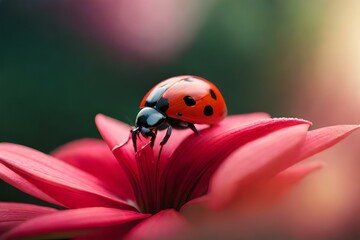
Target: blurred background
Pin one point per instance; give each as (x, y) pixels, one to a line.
(62, 62)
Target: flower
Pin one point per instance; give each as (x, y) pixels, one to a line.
(143, 195)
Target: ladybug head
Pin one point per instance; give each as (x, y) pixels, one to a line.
(147, 120)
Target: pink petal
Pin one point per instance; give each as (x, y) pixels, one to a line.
(235, 120)
(270, 192)
(255, 162)
(125, 155)
(117, 134)
(21, 183)
(164, 225)
(113, 232)
(195, 160)
(323, 138)
(292, 175)
(144, 170)
(67, 223)
(94, 156)
(66, 184)
(13, 214)
(178, 136)
(264, 194)
(114, 132)
(146, 164)
(140, 168)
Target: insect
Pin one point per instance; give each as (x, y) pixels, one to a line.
(178, 102)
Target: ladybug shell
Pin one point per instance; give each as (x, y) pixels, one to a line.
(187, 98)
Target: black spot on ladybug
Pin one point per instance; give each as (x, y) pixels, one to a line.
(189, 101)
(156, 95)
(212, 94)
(149, 104)
(179, 114)
(208, 110)
(162, 104)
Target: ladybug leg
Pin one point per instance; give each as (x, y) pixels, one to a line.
(134, 134)
(165, 139)
(167, 135)
(152, 139)
(193, 128)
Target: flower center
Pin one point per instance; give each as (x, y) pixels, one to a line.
(155, 183)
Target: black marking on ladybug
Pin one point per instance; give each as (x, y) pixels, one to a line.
(189, 101)
(179, 114)
(149, 104)
(156, 94)
(212, 94)
(208, 110)
(162, 104)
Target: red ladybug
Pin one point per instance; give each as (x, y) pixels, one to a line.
(178, 102)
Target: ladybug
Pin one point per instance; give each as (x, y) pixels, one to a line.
(178, 102)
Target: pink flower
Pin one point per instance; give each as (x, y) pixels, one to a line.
(139, 197)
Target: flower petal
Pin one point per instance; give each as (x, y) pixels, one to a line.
(140, 168)
(117, 135)
(66, 184)
(323, 138)
(292, 175)
(255, 162)
(270, 192)
(94, 156)
(235, 120)
(24, 185)
(13, 214)
(256, 198)
(190, 168)
(114, 132)
(164, 225)
(67, 223)
(178, 136)
(113, 232)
